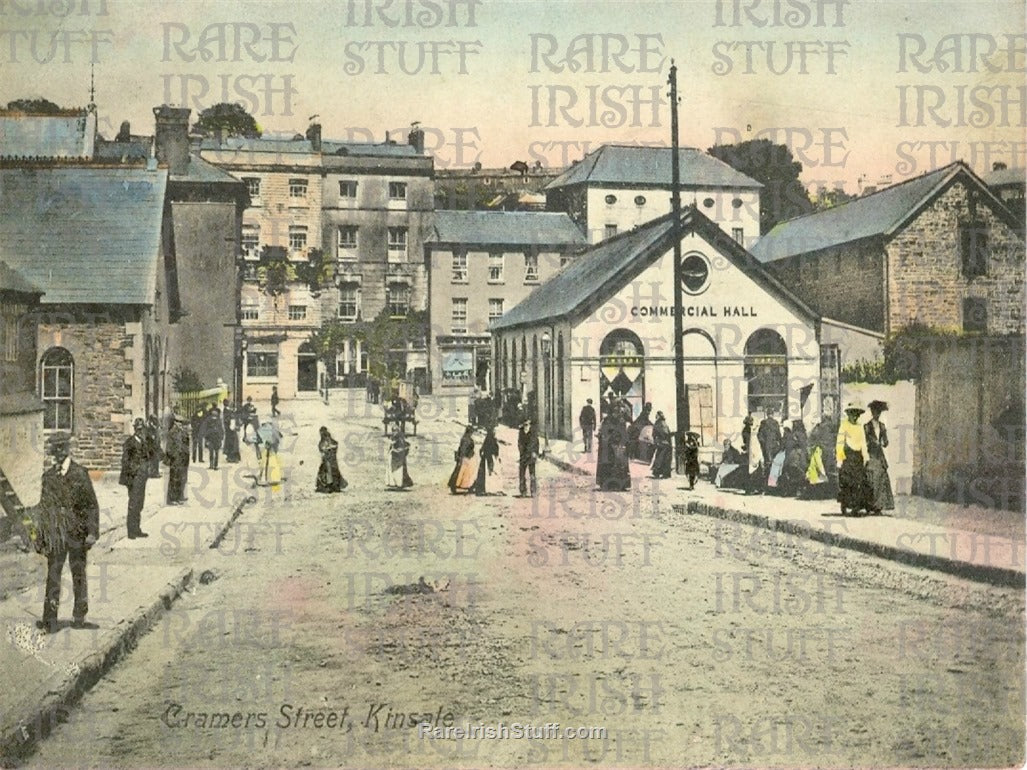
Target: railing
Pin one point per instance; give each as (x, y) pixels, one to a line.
(186, 404)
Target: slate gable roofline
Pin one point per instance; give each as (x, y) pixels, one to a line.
(600, 271)
(799, 235)
(634, 166)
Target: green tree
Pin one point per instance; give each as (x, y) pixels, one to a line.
(380, 335)
(783, 195)
(827, 199)
(317, 272)
(37, 106)
(228, 117)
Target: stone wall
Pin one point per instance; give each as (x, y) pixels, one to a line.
(846, 283)
(925, 273)
(969, 429)
(103, 353)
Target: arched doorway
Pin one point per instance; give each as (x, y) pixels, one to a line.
(306, 369)
(766, 371)
(622, 369)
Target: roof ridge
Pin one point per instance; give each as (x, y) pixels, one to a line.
(868, 196)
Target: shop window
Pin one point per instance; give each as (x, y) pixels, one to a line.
(622, 369)
(261, 364)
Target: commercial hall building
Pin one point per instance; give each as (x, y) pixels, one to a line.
(605, 325)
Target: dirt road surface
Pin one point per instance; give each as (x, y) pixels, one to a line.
(328, 627)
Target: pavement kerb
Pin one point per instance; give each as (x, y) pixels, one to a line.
(999, 576)
(63, 689)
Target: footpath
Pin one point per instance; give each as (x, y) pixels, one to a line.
(131, 584)
(973, 542)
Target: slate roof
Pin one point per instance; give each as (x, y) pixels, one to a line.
(135, 150)
(11, 280)
(62, 135)
(1006, 176)
(618, 164)
(84, 234)
(879, 214)
(529, 228)
(598, 273)
(288, 146)
(201, 171)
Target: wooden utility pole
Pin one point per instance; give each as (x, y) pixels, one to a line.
(681, 402)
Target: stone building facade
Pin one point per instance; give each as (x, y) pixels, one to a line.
(938, 249)
(21, 412)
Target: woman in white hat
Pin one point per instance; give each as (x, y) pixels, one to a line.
(852, 455)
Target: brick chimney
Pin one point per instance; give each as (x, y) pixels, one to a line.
(172, 137)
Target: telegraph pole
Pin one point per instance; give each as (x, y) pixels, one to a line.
(681, 408)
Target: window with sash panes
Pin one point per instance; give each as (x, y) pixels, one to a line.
(459, 316)
(397, 300)
(298, 188)
(398, 191)
(459, 267)
(495, 308)
(297, 312)
(297, 237)
(531, 268)
(349, 303)
(347, 235)
(397, 242)
(57, 389)
(261, 364)
(252, 186)
(250, 310)
(250, 242)
(496, 267)
(347, 188)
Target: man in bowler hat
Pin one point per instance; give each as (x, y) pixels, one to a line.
(135, 469)
(69, 519)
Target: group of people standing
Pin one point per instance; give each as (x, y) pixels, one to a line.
(478, 473)
(844, 460)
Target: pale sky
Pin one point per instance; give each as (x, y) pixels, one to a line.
(501, 90)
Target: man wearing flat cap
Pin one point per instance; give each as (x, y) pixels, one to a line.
(135, 470)
(69, 525)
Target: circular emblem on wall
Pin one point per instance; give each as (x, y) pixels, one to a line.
(639, 200)
(737, 203)
(611, 199)
(695, 274)
(708, 203)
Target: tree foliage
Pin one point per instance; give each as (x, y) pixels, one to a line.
(783, 195)
(37, 106)
(827, 199)
(185, 380)
(275, 271)
(228, 117)
(378, 336)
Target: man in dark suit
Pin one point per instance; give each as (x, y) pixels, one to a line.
(177, 458)
(135, 469)
(69, 526)
(527, 448)
(587, 421)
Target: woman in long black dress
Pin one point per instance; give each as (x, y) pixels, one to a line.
(663, 440)
(851, 454)
(486, 466)
(462, 476)
(612, 470)
(231, 447)
(329, 477)
(877, 465)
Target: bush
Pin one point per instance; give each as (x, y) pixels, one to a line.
(864, 371)
(185, 380)
(905, 349)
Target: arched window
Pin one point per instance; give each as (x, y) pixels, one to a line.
(57, 389)
(622, 369)
(766, 371)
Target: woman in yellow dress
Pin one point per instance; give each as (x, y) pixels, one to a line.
(852, 455)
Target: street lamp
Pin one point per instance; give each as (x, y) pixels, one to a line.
(547, 347)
